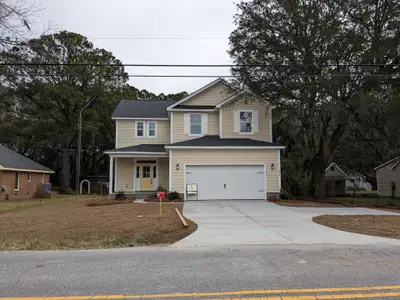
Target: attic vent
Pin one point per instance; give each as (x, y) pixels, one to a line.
(332, 168)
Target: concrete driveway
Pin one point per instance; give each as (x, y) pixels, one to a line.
(243, 222)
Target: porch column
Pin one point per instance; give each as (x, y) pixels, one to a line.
(111, 176)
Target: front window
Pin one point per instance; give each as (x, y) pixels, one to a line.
(16, 187)
(246, 121)
(140, 129)
(195, 124)
(151, 127)
(154, 172)
(29, 177)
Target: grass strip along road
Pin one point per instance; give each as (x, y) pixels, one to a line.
(367, 292)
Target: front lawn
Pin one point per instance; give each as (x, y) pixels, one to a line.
(376, 225)
(73, 225)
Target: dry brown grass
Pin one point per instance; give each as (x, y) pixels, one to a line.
(383, 226)
(99, 202)
(73, 225)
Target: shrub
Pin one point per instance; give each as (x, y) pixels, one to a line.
(285, 195)
(120, 195)
(161, 189)
(140, 240)
(61, 190)
(174, 196)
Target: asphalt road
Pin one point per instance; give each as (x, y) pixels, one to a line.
(144, 271)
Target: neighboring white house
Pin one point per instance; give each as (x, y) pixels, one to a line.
(359, 182)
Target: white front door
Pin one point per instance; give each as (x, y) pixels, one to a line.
(227, 182)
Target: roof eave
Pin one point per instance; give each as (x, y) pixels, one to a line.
(224, 147)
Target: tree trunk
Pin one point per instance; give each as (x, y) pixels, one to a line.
(319, 181)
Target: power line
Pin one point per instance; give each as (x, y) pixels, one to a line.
(211, 76)
(197, 65)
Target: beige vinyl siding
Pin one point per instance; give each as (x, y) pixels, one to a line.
(227, 112)
(124, 174)
(224, 157)
(384, 177)
(163, 174)
(179, 126)
(125, 168)
(212, 96)
(126, 133)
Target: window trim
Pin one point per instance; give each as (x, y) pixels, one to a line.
(201, 125)
(29, 177)
(16, 181)
(144, 129)
(148, 129)
(252, 121)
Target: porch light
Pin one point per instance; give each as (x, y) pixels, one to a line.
(272, 167)
(177, 166)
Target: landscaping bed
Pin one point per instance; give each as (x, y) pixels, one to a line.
(376, 225)
(73, 225)
(378, 203)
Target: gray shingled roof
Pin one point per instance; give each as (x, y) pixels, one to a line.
(142, 109)
(216, 141)
(157, 148)
(181, 106)
(12, 160)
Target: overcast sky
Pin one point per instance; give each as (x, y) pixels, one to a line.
(105, 21)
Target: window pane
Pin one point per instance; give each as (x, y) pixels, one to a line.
(137, 172)
(154, 172)
(245, 127)
(139, 129)
(29, 176)
(195, 118)
(152, 125)
(152, 132)
(195, 129)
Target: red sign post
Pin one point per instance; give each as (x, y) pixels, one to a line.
(161, 196)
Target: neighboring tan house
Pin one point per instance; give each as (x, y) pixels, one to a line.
(335, 180)
(214, 144)
(20, 177)
(358, 182)
(388, 178)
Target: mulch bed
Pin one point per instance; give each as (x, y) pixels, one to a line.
(303, 203)
(376, 225)
(73, 225)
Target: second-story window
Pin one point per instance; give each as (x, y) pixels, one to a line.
(195, 124)
(140, 129)
(151, 129)
(246, 121)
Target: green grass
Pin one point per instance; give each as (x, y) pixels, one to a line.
(363, 194)
(12, 205)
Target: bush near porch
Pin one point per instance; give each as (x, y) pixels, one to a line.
(73, 225)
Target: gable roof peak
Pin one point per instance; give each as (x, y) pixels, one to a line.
(199, 91)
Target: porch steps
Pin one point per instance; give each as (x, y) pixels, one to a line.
(142, 195)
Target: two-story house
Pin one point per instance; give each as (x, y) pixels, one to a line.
(214, 144)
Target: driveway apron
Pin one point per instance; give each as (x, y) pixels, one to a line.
(246, 222)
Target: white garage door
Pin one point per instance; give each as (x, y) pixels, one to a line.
(227, 182)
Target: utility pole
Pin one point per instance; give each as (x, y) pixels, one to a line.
(78, 148)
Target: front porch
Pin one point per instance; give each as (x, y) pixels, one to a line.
(139, 169)
(138, 174)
